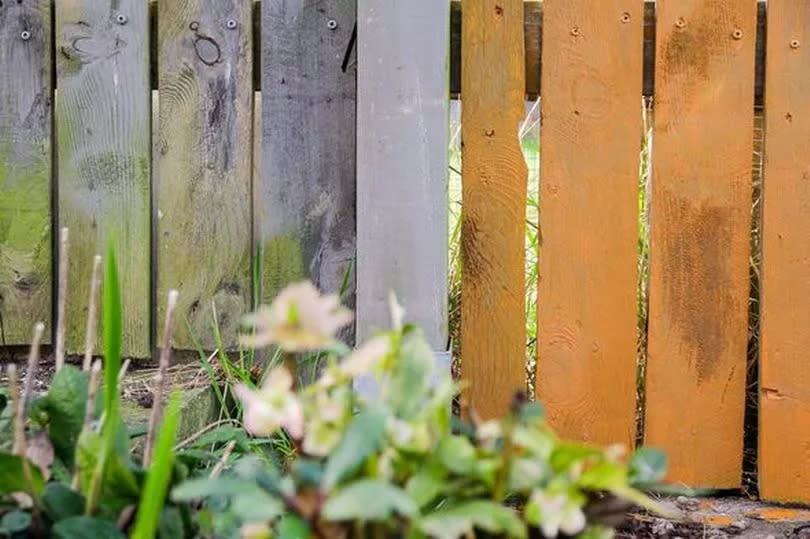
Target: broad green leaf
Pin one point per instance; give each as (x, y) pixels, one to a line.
(65, 405)
(605, 475)
(531, 413)
(457, 454)
(225, 433)
(363, 437)
(60, 502)
(154, 493)
(369, 499)
(647, 466)
(566, 454)
(204, 487)
(85, 528)
(15, 522)
(465, 518)
(256, 506)
(537, 441)
(292, 527)
(424, 486)
(409, 384)
(12, 470)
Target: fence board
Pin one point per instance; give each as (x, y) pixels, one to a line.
(494, 177)
(402, 139)
(307, 214)
(784, 430)
(103, 138)
(586, 365)
(25, 169)
(204, 165)
(700, 238)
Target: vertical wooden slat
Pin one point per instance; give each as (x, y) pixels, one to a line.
(25, 169)
(784, 413)
(402, 139)
(103, 138)
(493, 331)
(701, 204)
(307, 197)
(204, 172)
(591, 105)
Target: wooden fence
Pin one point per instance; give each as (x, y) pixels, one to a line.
(231, 147)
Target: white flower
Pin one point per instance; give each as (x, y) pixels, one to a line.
(272, 407)
(300, 319)
(255, 530)
(363, 360)
(488, 433)
(554, 513)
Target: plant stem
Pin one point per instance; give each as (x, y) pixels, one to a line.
(90, 336)
(61, 295)
(160, 377)
(89, 409)
(33, 363)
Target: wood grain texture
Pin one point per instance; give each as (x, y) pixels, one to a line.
(204, 167)
(784, 413)
(494, 177)
(586, 364)
(307, 195)
(103, 133)
(402, 140)
(701, 204)
(533, 25)
(25, 169)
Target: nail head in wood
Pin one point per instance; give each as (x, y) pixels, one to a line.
(332, 24)
(121, 19)
(794, 44)
(231, 24)
(680, 23)
(626, 17)
(737, 34)
(25, 35)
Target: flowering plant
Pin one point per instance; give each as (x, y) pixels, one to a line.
(398, 463)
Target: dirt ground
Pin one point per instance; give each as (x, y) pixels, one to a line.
(718, 518)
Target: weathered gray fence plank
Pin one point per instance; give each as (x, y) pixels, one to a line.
(25, 168)
(307, 196)
(402, 139)
(103, 139)
(204, 165)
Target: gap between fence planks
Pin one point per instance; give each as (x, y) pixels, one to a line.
(25, 169)
(586, 364)
(402, 140)
(701, 205)
(493, 330)
(104, 166)
(784, 414)
(204, 167)
(306, 215)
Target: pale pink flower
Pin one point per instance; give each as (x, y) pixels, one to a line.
(300, 319)
(363, 360)
(272, 407)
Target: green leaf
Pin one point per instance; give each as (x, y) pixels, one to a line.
(226, 433)
(292, 527)
(65, 405)
(171, 524)
(411, 376)
(424, 486)
(85, 528)
(60, 502)
(465, 518)
(15, 522)
(204, 487)
(369, 499)
(567, 454)
(457, 454)
(257, 506)
(12, 470)
(363, 437)
(605, 475)
(154, 493)
(647, 466)
(112, 332)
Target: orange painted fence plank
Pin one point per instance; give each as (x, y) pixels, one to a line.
(701, 204)
(591, 109)
(493, 331)
(784, 431)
